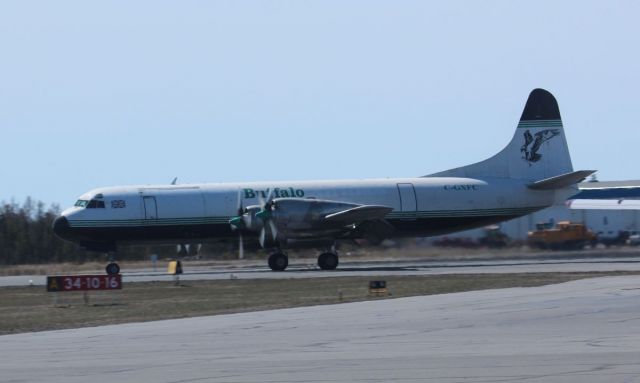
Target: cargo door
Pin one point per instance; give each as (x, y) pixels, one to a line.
(150, 207)
(408, 203)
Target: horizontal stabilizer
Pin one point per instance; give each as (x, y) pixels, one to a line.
(359, 214)
(561, 181)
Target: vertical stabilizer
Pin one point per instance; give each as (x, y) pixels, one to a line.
(537, 151)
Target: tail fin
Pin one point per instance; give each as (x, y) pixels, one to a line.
(537, 151)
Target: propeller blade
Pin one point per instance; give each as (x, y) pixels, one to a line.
(247, 219)
(270, 195)
(244, 218)
(264, 214)
(274, 230)
(262, 237)
(237, 222)
(262, 202)
(239, 202)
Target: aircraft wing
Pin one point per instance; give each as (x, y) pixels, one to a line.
(309, 218)
(359, 214)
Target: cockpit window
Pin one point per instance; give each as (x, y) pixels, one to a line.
(90, 204)
(95, 204)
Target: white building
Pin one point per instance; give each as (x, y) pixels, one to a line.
(605, 207)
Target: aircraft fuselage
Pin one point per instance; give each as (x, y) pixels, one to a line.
(107, 217)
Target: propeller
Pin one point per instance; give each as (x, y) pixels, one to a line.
(264, 212)
(239, 223)
(269, 228)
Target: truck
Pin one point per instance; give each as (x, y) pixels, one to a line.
(565, 235)
(494, 238)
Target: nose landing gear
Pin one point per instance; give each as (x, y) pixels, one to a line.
(112, 268)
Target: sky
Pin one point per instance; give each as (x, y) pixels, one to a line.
(105, 93)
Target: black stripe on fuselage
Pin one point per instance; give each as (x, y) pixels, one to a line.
(172, 234)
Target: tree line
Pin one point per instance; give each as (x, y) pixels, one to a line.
(26, 237)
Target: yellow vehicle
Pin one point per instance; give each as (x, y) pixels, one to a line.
(565, 236)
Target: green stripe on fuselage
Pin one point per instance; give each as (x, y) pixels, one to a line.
(225, 220)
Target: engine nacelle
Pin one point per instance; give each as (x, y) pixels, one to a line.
(298, 214)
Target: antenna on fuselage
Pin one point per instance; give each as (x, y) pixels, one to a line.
(174, 181)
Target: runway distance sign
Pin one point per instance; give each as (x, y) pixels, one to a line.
(84, 282)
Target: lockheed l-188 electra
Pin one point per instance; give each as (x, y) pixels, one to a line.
(531, 173)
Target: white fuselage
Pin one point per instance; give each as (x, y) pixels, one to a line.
(200, 212)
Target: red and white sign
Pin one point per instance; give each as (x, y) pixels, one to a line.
(84, 282)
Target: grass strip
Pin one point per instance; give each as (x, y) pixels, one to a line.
(26, 309)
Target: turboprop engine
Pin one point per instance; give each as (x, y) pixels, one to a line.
(284, 219)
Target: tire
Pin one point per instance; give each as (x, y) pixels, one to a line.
(113, 268)
(278, 261)
(328, 261)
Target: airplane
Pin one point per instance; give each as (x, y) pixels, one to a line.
(532, 172)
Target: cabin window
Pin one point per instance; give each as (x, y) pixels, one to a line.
(81, 203)
(95, 204)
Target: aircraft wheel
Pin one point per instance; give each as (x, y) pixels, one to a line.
(278, 261)
(328, 261)
(113, 268)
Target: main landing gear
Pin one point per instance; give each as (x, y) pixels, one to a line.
(328, 260)
(112, 268)
(279, 261)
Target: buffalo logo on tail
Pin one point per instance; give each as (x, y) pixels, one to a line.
(532, 144)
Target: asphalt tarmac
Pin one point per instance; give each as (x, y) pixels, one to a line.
(308, 269)
(581, 331)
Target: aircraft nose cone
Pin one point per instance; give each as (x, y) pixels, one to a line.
(61, 227)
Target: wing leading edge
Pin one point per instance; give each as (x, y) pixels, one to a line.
(359, 214)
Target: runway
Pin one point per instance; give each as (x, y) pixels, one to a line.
(581, 331)
(307, 268)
